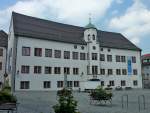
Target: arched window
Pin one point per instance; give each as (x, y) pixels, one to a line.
(88, 37)
(93, 37)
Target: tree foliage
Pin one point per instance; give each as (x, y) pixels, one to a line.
(66, 104)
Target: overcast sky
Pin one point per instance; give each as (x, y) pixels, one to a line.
(129, 17)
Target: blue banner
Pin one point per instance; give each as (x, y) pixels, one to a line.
(129, 65)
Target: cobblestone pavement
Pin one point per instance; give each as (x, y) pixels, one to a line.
(37, 102)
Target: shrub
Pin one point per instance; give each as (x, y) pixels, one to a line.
(7, 89)
(101, 94)
(66, 104)
(7, 97)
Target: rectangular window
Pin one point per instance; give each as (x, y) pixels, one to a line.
(102, 57)
(109, 58)
(133, 59)
(25, 51)
(118, 72)
(135, 72)
(57, 70)
(60, 84)
(69, 83)
(135, 82)
(82, 56)
(123, 83)
(124, 71)
(38, 52)
(94, 56)
(1, 52)
(102, 83)
(37, 69)
(75, 55)
(66, 70)
(111, 83)
(75, 71)
(117, 58)
(48, 70)
(66, 55)
(123, 59)
(0, 65)
(48, 52)
(57, 54)
(47, 84)
(102, 71)
(25, 69)
(24, 85)
(76, 83)
(110, 72)
(94, 70)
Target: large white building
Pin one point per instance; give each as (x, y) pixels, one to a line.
(146, 70)
(3, 52)
(41, 52)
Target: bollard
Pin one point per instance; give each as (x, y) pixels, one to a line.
(126, 97)
(139, 102)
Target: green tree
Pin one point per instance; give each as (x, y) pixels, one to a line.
(66, 102)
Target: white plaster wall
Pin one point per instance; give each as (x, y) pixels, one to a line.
(121, 65)
(36, 80)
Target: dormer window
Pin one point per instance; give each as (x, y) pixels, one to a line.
(93, 37)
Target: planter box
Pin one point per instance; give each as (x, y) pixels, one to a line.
(6, 106)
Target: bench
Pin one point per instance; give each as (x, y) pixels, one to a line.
(9, 107)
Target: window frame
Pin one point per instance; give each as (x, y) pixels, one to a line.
(82, 56)
(24, 84)
(37, 69)
(66, 54)
(24, 51)
(49, 71)
(75, 55)
(48, 52)
(38, 52)
(57, 53)
(25, 69)
(46, 84)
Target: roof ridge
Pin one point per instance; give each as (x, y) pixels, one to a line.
(42, 19)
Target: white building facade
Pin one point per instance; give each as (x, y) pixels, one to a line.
(39, 56)
(3, 53)
(146, 70)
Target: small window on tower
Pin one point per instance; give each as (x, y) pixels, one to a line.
(94, 47)
(93, 37)
(82, 47)
(88, 37)
(75, 46)
(109, 49)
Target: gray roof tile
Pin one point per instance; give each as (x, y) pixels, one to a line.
(49, 30)
(3, 39)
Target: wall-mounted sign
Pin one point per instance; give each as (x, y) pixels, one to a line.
(129, 66)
